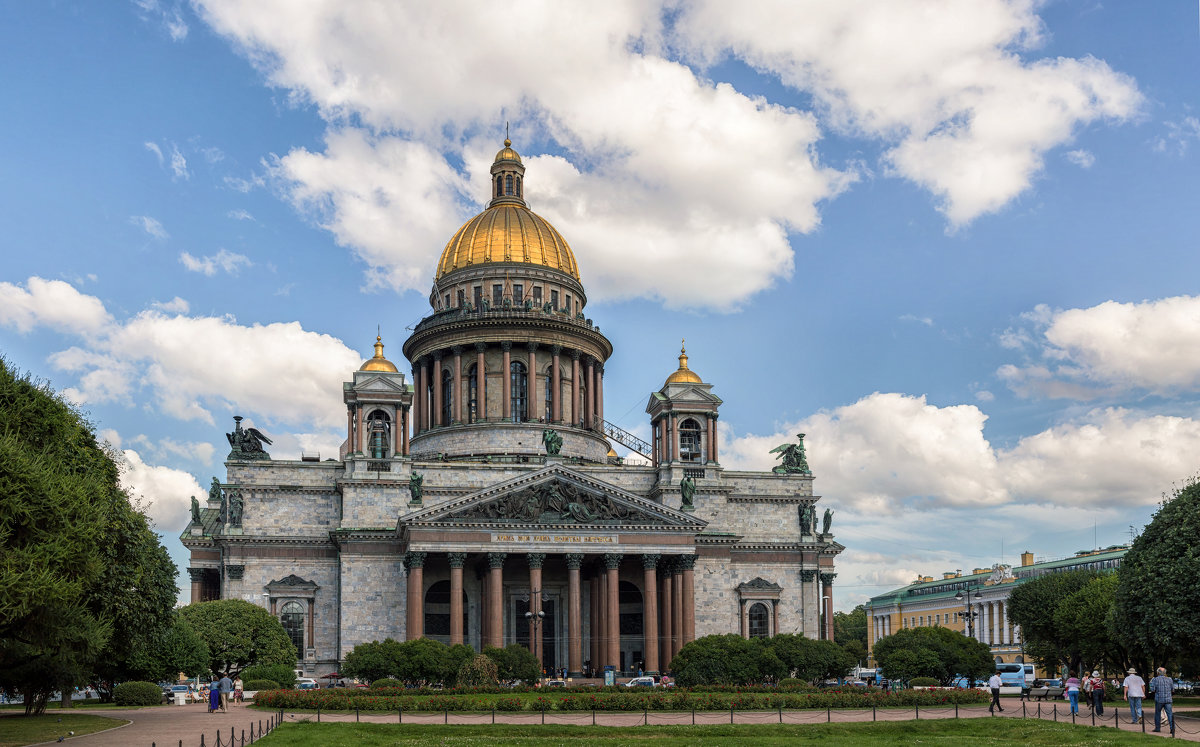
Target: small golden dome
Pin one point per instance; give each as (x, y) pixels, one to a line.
(507, 233)
(684, 375)
(507, 153)
(379, 363)
(612, 452)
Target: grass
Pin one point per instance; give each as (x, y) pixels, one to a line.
(17, 729)
(944, 732)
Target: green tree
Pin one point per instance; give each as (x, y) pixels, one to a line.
(456, 657)
(811, 660)
(850, 632)
(173, 651)
(239, 634)
(719, 659)
(514, 662)
(934, 651)
(1157, 590)
(422, 661)
(479, 671)
(1033, 605)
(1088, 614)
(280, 674)
(67, 577)
(373, 661)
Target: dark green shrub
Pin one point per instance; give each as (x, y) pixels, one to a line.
(479, 671)
(280, 673)
(137, 694)
(256, 685)
(924, 682)
(386, 682)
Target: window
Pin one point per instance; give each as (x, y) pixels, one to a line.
(537, 295)
(508, 185)
(554, 300)
(437, 612)
(518, 293)
(499, 186)
(759, 625)
(292, 618)
(520, 383)
(567, 305)
(461, 298)
(447, 300)
(478, 296)
(497, 295)
(472, 394)
(447, 397)
(549, 396)
(689, 441)
(518, 182)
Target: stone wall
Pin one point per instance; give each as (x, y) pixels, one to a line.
(373, 599)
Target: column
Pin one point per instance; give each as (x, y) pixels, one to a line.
(980, 623)
(996, 624)
(1007, 637)
(555, 384)
(394, 446)
(197, 576)
(600, 396)
(596, 632)
(650, 612)
(457, 561)
(612, 617)
(362, 430)
(531, 397)
(350, 429)
(574, 617)
(676, 606)
(716, 456)
(667, 622)
(506, 381)
(688, 596)
(576, 413)
(827, 602)
(426, 403)
(496, 599)
(416, 401)
(743, 619)
(480, 381)
(416, 596)
(312, 613)
(438, 419)
(404, 429)
(674, 438)
(589, 378)
(536, 559)
(457, 397)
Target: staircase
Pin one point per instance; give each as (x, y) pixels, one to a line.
(625, 438)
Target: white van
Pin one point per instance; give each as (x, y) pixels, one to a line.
(306, 683)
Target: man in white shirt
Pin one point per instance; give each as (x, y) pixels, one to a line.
(994, 683)
(1135, 690)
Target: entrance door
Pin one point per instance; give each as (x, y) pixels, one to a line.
(549, 631)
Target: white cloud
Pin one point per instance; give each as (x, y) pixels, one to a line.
(176, 305)
(164, 492)
(150, 226)
(1108, 348)
(157, 151)
(168, 448)
(51, 303)
(1179, 136)
(1082, 158)
(238, 184)
(179, 165)
(927, 321)
(943, 83)
(225, 260)
(984, 395)
(240, 214)
(171, 18)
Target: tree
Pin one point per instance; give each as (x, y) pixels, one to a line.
(1033, 604)
(479, 671)
(174, 650)
(1088, 614)
(422, 661)
(718, 659)
(457, 657)
(937, 652)
(811, 660)
(75, 555)
(514, 662)
(239, 634)
(1157, 588)
(373, 661)
(850, 632)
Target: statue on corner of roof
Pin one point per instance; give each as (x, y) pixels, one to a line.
(687, 489)
(795, 462)
(195, 510)
(827, 522)
(236, 503)
(246, 443)
(416, 489)
(552, 440)
(807, 517)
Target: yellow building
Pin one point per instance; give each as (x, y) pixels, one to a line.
(974, 603)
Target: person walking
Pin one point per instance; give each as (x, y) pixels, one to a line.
(1134, 689)
(1096, 683)
(214, 697)
(1162, 686)
(226, 687)
(995, 684)
(1072, 685)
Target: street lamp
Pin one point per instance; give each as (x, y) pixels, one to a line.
(968, 612)
(535, 621)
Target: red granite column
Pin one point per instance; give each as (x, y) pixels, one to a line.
(574, 617)
(677, 606)
(589, 380)
(576, 414)
(595, 628)
(708, 438)
(612, 562)
(506, 381)
(457, 561)
(532, 401)
(827, 602)
(689, 599)
(350, 429)
(600, 395)
(456, 397)
(437, 390)
(667, 623)
(404, 430)
(362, 431)
(414, 563)
(418, 397)
(716, 438)
(496, 599)
(426, 403)
(555, 384)
(536, 559)
(197, 576)
(650, 612)
(480, 382)
(674, 438)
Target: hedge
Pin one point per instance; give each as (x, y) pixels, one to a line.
(137, 694)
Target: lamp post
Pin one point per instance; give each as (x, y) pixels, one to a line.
(967, 599)
(535, 621)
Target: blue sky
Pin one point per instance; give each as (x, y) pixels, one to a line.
(953, 243)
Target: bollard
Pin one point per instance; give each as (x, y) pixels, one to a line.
(231, 736)
(400, 719)
(201, 740)
(781, 714)
(645, 715)
(494, 716)
(446, 717)
(955, 711)
(693, 715)
(356, 713)
(873, 711)
(1116, 718)
(1143, 720)
(1072, 718)
(731, 715)
(593, 717)
(318, 714)
(1039, 709)
(244, 736)
(828, 715)
(918, 707)
(1093, 715)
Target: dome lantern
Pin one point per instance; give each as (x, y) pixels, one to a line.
(684, 375)
(508, 176)
(378, 362)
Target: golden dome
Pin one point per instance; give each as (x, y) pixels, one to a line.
(379, 363)
(507, 232)
(684, 375)
(507, 153)
(612, 452)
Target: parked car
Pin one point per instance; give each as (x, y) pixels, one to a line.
(306, 683)
(556, 683)
(169, 695)
(641, 682)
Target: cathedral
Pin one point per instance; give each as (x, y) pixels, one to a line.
(481, 501)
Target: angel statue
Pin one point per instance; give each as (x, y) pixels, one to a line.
(552, 440)
(794, 459)
(246, 443)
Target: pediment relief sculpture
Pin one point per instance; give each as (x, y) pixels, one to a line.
(557, 502)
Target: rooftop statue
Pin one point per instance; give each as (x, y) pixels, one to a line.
(552, 440)
(827, 521)
(416, 488)
(246, 443)
(235, 508)
(195, 510)
(794, 460)
(807, 517)
(687, 489)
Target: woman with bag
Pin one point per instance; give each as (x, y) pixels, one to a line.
(1096, 688)
(1072, 685)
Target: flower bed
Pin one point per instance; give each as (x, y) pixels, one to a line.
(613, 699)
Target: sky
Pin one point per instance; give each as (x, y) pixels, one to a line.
(953, 243)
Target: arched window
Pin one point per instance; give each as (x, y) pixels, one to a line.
(759, 621)
(508, 185)
(292, 618)
(379, 430)
(447, 397)
(437, 612)
(520, 391)
(499, 185)
(689, 441)
(549, 390)
(472, 393)
(518, 183)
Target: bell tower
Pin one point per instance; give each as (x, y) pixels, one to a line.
(683, 420)
(377, 407)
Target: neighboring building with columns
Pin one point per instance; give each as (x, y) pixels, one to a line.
(947, 601)
(481, 501)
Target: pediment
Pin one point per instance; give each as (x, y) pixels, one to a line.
(556, 496)
(393, 384)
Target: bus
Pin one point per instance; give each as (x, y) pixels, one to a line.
(1016, 675)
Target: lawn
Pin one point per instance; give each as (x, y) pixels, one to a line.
(946, 732)
(17, 729)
